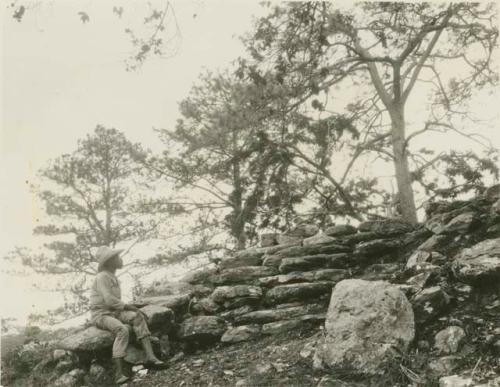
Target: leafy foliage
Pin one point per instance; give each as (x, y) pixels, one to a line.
(92, 197)
(383, 51)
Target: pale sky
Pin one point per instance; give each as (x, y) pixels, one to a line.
(60, 78)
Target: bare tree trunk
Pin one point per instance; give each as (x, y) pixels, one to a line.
(403, 176)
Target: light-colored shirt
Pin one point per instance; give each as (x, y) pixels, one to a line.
(105, 294)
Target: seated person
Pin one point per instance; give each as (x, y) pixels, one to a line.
(110, 313)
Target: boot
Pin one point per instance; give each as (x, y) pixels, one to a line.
(150, 356)
(120, 376)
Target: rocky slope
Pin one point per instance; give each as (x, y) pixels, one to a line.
(402, 304)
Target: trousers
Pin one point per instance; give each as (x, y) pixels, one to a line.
(115, 323)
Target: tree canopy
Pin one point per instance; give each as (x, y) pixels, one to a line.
(383, 51)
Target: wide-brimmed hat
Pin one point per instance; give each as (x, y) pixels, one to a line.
(104, 254)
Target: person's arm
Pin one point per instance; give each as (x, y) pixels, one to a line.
(104, 285)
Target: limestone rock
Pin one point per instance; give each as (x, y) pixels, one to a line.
(367, 322)
(429, 303)
(421, 256)
(285, 239)
(296, 292)
(380, 272)
(89, 339)
(340, 230)
(441, 206)
(202, 329)
(269, 315)
(230, 315)
(419, 281)
(318, 239)
(448, 340)
(480, 262)
(64, 366)
(492, 194)
(311, 262)
(300, 251)
(359, 237)
(97, 374)
(387, 227)
(462, 223)
(376, 247)
(332, 275)
(241, 333)
(200, 275)
(60, 354)
(203, 306)
(268, 239)
(456, 381)
(444, 365)
(177, 303)
(242, 275)
(277, 327)
(249, 257)
(496, 207)
(73, 378)
(158, 316)
(304, 230)
(223, 294)
(435, 243)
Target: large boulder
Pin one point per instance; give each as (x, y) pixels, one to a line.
(89, 339)
(202, 329)
(311, 262)
(386, 227)
(296, 292)
(479, 262)
(367, 323)
(242, 275)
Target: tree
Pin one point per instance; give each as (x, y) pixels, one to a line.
(158, 36)
(220, 153)
(393, 47)
(92, 197)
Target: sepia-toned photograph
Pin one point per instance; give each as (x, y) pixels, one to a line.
(236, 193)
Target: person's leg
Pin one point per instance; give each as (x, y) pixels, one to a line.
(141, 330)
(120, 344)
